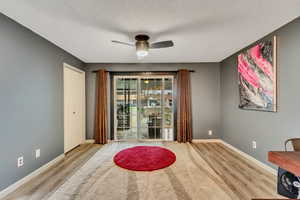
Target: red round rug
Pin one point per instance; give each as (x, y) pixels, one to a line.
(144, 158)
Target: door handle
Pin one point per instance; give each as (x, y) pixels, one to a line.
(74, 113)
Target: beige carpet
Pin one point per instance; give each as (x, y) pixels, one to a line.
(201, 171)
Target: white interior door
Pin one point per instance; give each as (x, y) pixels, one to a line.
(74, 107)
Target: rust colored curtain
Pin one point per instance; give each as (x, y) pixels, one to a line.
(101, 108)
(184, 113)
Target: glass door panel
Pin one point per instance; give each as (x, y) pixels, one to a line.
(168, 109)
(143, 107)
(126, 108)
(151, 107)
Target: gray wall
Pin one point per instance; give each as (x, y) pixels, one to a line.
(205, 83)
(270, 130)
(31, 101)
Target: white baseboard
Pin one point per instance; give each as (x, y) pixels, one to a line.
(90, 141)
(247, 156)
(30, 176)
(206, 140)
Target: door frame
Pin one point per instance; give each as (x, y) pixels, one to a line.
(65, 65)
(139, 75)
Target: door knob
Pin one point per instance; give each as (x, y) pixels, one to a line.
(74, 113)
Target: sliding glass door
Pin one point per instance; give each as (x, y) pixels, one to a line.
(126, 108)
(143, 107)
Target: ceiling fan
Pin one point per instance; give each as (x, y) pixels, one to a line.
(142, 45)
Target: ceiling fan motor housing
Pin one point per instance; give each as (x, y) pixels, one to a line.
(142, 37)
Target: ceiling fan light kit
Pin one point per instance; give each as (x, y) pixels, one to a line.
(142, 45)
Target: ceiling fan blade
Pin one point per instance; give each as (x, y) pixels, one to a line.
(124, 43)
(162, 44)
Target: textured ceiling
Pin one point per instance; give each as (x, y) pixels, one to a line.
(203, 30)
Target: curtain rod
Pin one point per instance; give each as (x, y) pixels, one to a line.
(95, 71)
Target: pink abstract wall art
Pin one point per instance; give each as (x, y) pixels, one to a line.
(257, 77)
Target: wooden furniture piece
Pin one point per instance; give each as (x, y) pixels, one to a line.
(288, 160)
(288, 168)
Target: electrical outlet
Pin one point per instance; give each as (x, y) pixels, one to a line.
(254, 144)
(20, 161)
(210, 132)
(37, 153)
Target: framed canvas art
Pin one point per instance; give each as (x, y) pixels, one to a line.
(257, 77)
